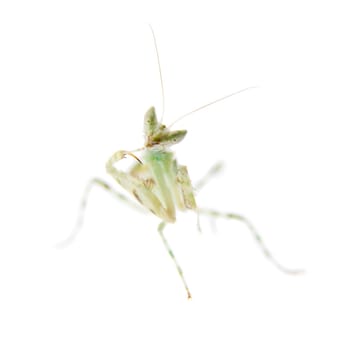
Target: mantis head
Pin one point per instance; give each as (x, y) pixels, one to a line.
(157, 134)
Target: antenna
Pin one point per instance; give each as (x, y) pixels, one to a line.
(211, 103)
(160, 71)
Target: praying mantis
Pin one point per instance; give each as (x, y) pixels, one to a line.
(160, 184)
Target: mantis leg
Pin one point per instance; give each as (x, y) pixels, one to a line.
(179, 270)
(80, 220)
(142, 184)
(213, 171)
(255, 234)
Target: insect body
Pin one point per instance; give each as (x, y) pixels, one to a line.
(157, 182)
(161, 185)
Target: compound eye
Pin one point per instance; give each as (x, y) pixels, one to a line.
(151, 124)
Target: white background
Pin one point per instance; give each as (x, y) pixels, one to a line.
(75, 81)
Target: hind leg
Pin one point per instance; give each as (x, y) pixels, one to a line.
(233, 216)
(169, 250)
(95, 182)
